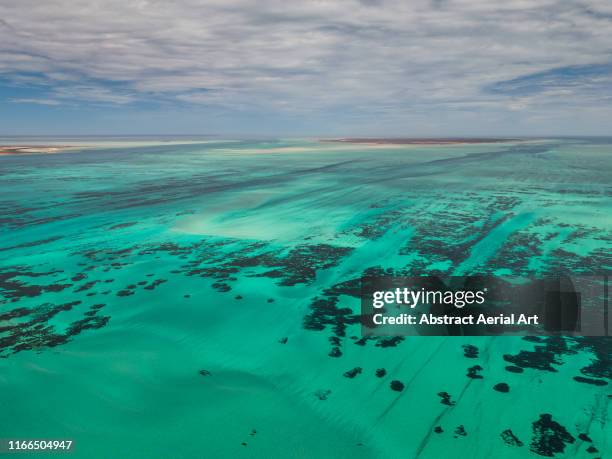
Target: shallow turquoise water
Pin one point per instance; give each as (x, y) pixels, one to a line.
(127, 271)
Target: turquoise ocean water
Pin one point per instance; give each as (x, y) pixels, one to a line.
(200, 299)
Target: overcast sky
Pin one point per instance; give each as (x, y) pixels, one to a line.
(293, 68)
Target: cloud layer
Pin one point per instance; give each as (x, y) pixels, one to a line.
(422, 62)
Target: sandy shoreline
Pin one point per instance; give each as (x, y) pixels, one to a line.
(18, 148)
(33, 149)
(25, 149)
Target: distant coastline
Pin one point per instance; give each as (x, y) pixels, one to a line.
(50, 146)
(32, 149)
(421, 141)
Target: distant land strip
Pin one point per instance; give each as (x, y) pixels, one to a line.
(420, 141)
(32, 149)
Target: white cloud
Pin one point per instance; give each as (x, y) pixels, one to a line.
(395, 57)
(36, 101)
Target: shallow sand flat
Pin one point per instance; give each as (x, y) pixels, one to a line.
(421, 141)
(22, 147)
(136, 403)
(33, 149)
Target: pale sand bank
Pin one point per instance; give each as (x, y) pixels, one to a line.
(33, 149)
(18, 148)
(421, 141)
